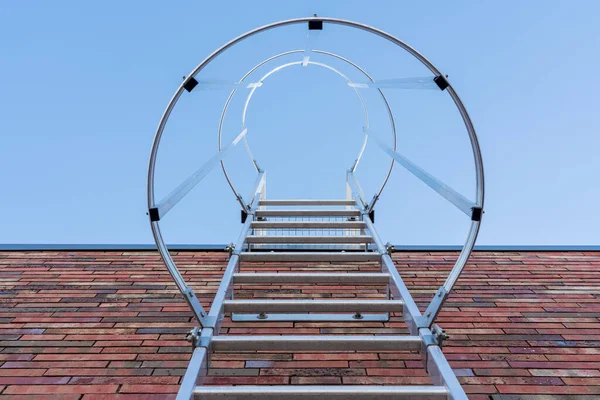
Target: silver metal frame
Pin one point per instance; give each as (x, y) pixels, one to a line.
(254, 86)
(424, 337)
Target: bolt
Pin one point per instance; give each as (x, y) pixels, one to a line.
(262, 315)
(357, 316)
(429, 314)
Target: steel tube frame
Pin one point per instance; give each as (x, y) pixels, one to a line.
(304, 306)
(325, 392)
(255, 86)
(317, 343)
(468, 124)
(434, 360)
(454, 197)
(365, 278)
(308, 225)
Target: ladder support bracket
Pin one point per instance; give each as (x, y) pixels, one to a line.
(476, 213)
(315, 25)
(190, 84)
(390, 248)
(433, 337)
(154, 214)
(441, 81)
(199, 337)
(244, 216)
(426, 320)
(372, 216)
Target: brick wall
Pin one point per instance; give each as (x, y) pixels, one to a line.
(97, 325)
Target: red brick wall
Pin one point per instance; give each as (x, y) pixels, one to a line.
(97, 325)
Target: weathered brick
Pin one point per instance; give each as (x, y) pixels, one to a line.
(518, 321)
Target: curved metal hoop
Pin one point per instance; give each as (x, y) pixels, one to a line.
(362, 149)
(479, 179)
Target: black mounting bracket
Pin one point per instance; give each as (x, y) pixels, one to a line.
(154, 216)
(441, 81)
(476, 213)
(315, 25)
(190, 84)
(372, 216)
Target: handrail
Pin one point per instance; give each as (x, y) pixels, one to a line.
(435, 306)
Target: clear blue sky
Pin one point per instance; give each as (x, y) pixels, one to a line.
(83, 86)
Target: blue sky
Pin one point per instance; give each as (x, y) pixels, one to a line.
(83, 86)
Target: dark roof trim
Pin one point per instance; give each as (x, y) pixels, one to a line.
(221, 247)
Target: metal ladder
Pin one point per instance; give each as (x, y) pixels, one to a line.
(316, 231)
(261, 241)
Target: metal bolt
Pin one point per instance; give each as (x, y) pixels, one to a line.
(429, 314)
(357, 316)
(262, 315)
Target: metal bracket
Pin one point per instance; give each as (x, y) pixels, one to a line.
(476, 213)
(199, 337)
(154, 215)
(441, 81)
(370, 206)
(439, 334)
(433, 309)
(315, 25)
(230, 248)
(190, 84)
(244, 216)
(193, 336)
(372, 216)
(390, 248)
(433, 337)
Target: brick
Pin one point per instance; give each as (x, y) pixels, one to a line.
(149, 388)
(60, 389)
(521, 324)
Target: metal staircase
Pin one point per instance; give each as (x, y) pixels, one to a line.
(319, 232)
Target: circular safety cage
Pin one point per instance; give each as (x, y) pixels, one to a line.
(372, 122)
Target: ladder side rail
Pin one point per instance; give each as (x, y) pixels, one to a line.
(435, 362)
(201, 339)
(216, 310)
(197, 367)
(442, 374)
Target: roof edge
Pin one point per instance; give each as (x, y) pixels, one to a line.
(222, 247)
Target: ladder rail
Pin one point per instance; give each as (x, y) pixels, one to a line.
(217, 309)
(436, 304)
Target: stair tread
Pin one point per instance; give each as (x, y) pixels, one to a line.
(291, 392)
(341, 277)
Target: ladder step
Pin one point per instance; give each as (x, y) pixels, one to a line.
(309, 239)
(256, 256)
(290, 392)
(307, 213)
(316, 343)
(304, 306)
(306, 203)
(308, 225)
(365, 278)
